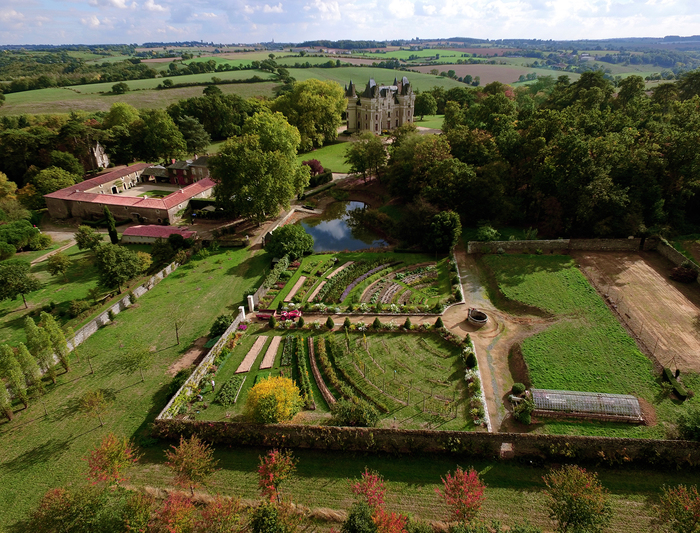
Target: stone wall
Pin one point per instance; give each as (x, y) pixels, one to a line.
(551, 246)
(549, 447)
(102, 319)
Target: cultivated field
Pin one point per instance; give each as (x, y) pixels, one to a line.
(507, 74)
(665, 313)
(586, 349)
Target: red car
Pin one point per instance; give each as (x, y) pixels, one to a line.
(290, 315)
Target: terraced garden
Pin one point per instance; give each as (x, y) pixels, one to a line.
(414, 380)
(366, 282)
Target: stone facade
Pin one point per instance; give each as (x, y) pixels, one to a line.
(380, 107)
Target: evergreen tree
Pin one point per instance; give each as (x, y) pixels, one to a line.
(111, 226)
(32, 372)
(13, 373)
(39, 346)
(329, 323)
(57, 338)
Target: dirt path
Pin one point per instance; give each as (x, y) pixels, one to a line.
(190, 357)
(44, 257)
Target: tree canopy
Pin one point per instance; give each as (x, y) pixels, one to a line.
(15, 280)
(258, 172)
(315, 108)
(291, 240)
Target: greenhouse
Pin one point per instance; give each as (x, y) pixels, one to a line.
(617, 407)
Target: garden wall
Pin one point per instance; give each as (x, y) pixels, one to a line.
(548, 447)
(192, 382)
(558, 245)
(102, 319)
(673, 255)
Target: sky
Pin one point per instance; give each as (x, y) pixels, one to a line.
(247, 21)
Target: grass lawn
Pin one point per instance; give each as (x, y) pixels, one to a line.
(586, 349)
(32, 255)
(155, 194)
(430, 121)
(361, 75)
(39, 452)
(330, 156)
(400, 371)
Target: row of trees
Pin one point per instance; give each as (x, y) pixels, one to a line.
(576, 500)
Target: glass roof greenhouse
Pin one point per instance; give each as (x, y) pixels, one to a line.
(593, 404)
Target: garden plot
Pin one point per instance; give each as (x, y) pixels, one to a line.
(664, 313)
(413, 380)
(252, 355)
(360, 279)
(586, 349)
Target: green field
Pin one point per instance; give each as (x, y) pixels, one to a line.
(586, 349)
(361, 75)
(40, 452)
(330, 156)
(430, 121)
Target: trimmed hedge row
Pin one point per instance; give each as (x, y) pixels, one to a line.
(302, 372)
(678, 388)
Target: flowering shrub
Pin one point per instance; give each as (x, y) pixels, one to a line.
(463, 493)
(273, 400)
(274, 468)
(242, 327)
(108, 461)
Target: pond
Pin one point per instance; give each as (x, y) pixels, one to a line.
(332, 233)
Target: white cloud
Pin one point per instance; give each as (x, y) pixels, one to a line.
(324, 10)
(150, 5)
(92, 21)
(120, 4)
(11, 16)
(402, 9)
(273, 9)
(248, 10)
(205, 15)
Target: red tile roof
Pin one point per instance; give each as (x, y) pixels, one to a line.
(158, 232)
(83, 186)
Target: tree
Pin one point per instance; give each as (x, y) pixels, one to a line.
(5, 403)
(50, 180)
(178, 514)
(39, 346)
(221, 515)
(463, 493)
(330, 324)
(314, 166)
(273, 400)
(30, 368)
(291, 240)
(445, 230)
(689, 85)
(116, 265)
(67, 162)
(120, 114)
(315, 108)
(120, 88)
(577, 500)
(274, 468)
(366, 156)
(93, 402)
(58, 263)
(192, 462)
(12, 372)
(425, 105)
(196, 137)
(87, 238)
(258, 171)
(370, 487)
(679, 509)
(15, 280)
(111, 226)
(57, 338)
(156, 137)
(107, 462)
(688, 424)
(137, 360)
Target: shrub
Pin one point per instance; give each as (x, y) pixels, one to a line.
(517, 389)
(678, 387)
(463, 493)
(178, 381)
(227, 393)
(354, 412)
(471, 360)
(683, 274)
(689, 425)
(486, 232)
(438, 323)
(273, 400)
(300, 322)
(359, 519)
(377, 324)
(40, 241)
(272, 322)
(220, 325)
(6, 251)
(76, 307)
(679, 508)
(347, 323)
(407, 325)
(522, 410)
(329, 323)
(266, 519)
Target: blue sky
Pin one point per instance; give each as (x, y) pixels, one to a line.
(232, 21)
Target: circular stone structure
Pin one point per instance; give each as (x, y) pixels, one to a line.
(476, 317)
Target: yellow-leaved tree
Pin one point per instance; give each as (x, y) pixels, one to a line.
(273, 400)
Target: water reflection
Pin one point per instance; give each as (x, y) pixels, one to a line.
(332, 233)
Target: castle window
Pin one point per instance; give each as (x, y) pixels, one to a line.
(389, 114)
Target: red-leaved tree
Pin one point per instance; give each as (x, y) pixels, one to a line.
(679, 509)
(371, 488)
(463, 493)
(178, 514)
(389, 522)
(107, 462)
(274, 468)
(314, 165)
(192, 461)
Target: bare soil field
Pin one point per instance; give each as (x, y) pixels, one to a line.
(661, 313)
(484, 51)
(487, 73)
